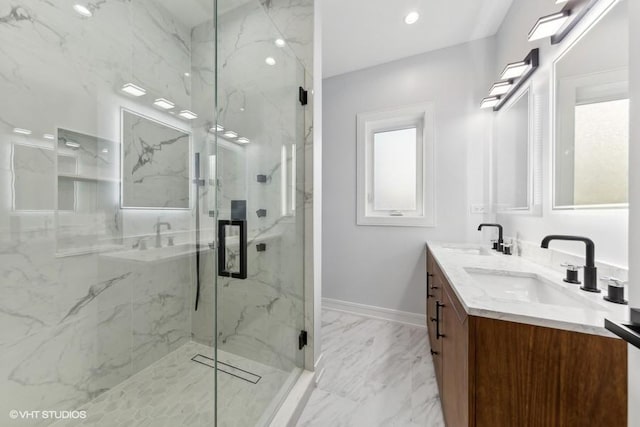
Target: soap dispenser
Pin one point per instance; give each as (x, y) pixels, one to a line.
(615, 291)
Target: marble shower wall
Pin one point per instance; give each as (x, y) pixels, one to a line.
(73, 326)
(260, 317)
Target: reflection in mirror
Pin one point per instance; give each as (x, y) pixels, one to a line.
(592, 116)
(513, 171)
(33, 169)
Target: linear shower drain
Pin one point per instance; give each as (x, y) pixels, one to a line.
(227, 369)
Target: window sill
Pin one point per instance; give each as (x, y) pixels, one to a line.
(396, 221)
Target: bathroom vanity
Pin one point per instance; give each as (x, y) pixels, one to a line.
(514, 346)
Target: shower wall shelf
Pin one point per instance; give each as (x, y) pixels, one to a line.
(88, 178)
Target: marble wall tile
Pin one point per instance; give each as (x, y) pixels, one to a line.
(155, 164)
(68, 327)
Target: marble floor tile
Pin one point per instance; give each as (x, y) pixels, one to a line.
(176, 391)
(377, 374)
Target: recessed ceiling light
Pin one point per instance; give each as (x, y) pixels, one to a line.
(243, 140)
(216, 128)
(270, 60)
(230, 134)
(548, 26)
(514, 70)
(48, 136)
(189, 115)
(82, 10)
(105, 150)
(22, 131)
(280, 42)
(242, 109)
(490, 102)
(163, 103)
(561, 1)
(500, 88)
(72, 144)
(411, 18)
(133, 90)
(187, 74)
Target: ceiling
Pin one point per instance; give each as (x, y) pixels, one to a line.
(358, 34)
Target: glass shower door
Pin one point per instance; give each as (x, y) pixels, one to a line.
(260, 223)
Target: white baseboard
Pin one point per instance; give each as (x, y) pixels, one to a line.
(407, 318)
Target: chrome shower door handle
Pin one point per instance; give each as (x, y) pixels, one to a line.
(223, 266)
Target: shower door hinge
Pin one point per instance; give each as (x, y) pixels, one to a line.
(303, 95)
(302, 340)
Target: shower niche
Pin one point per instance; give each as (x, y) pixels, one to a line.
(88, 183)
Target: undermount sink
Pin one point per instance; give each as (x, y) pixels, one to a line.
(526, 287)
(467, 250)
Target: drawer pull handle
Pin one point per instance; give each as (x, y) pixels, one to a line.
(437, 320)
(434, 353)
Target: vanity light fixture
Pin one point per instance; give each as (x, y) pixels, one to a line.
(411, 18)
(82, 10)
(216, 128)
(243, 140)
(513, 77)
(548, 26)
(501, 88)
(163, 103)
(230, 134)
(72, 144)
(559, 25)
(133, 90)
(49, 136)
(189, 115)
(22, 131)
(514, 70)
(270, 60)
(490, 102)
(280, 42)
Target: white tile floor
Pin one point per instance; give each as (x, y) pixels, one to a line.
(176, 391)
(377, 374)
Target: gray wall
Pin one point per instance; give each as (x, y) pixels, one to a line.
(385, 266)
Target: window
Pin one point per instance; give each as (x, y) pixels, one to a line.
(601, 153)
(592, 142)
(395, 167)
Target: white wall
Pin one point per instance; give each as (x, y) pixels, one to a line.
(634, 195)
(608, 228)
(385, 266)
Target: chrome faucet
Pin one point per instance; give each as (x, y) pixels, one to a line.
(590, 270)
(158, 227)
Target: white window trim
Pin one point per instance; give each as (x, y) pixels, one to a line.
(388, 119)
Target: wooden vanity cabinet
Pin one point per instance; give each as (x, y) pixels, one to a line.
(434, 295)
(495, 373)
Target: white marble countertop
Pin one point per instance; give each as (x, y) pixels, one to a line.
(455, 263)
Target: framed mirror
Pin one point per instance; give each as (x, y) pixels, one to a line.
(591, 118)
(514, 155)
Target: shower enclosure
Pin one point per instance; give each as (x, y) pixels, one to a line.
(152, 205)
